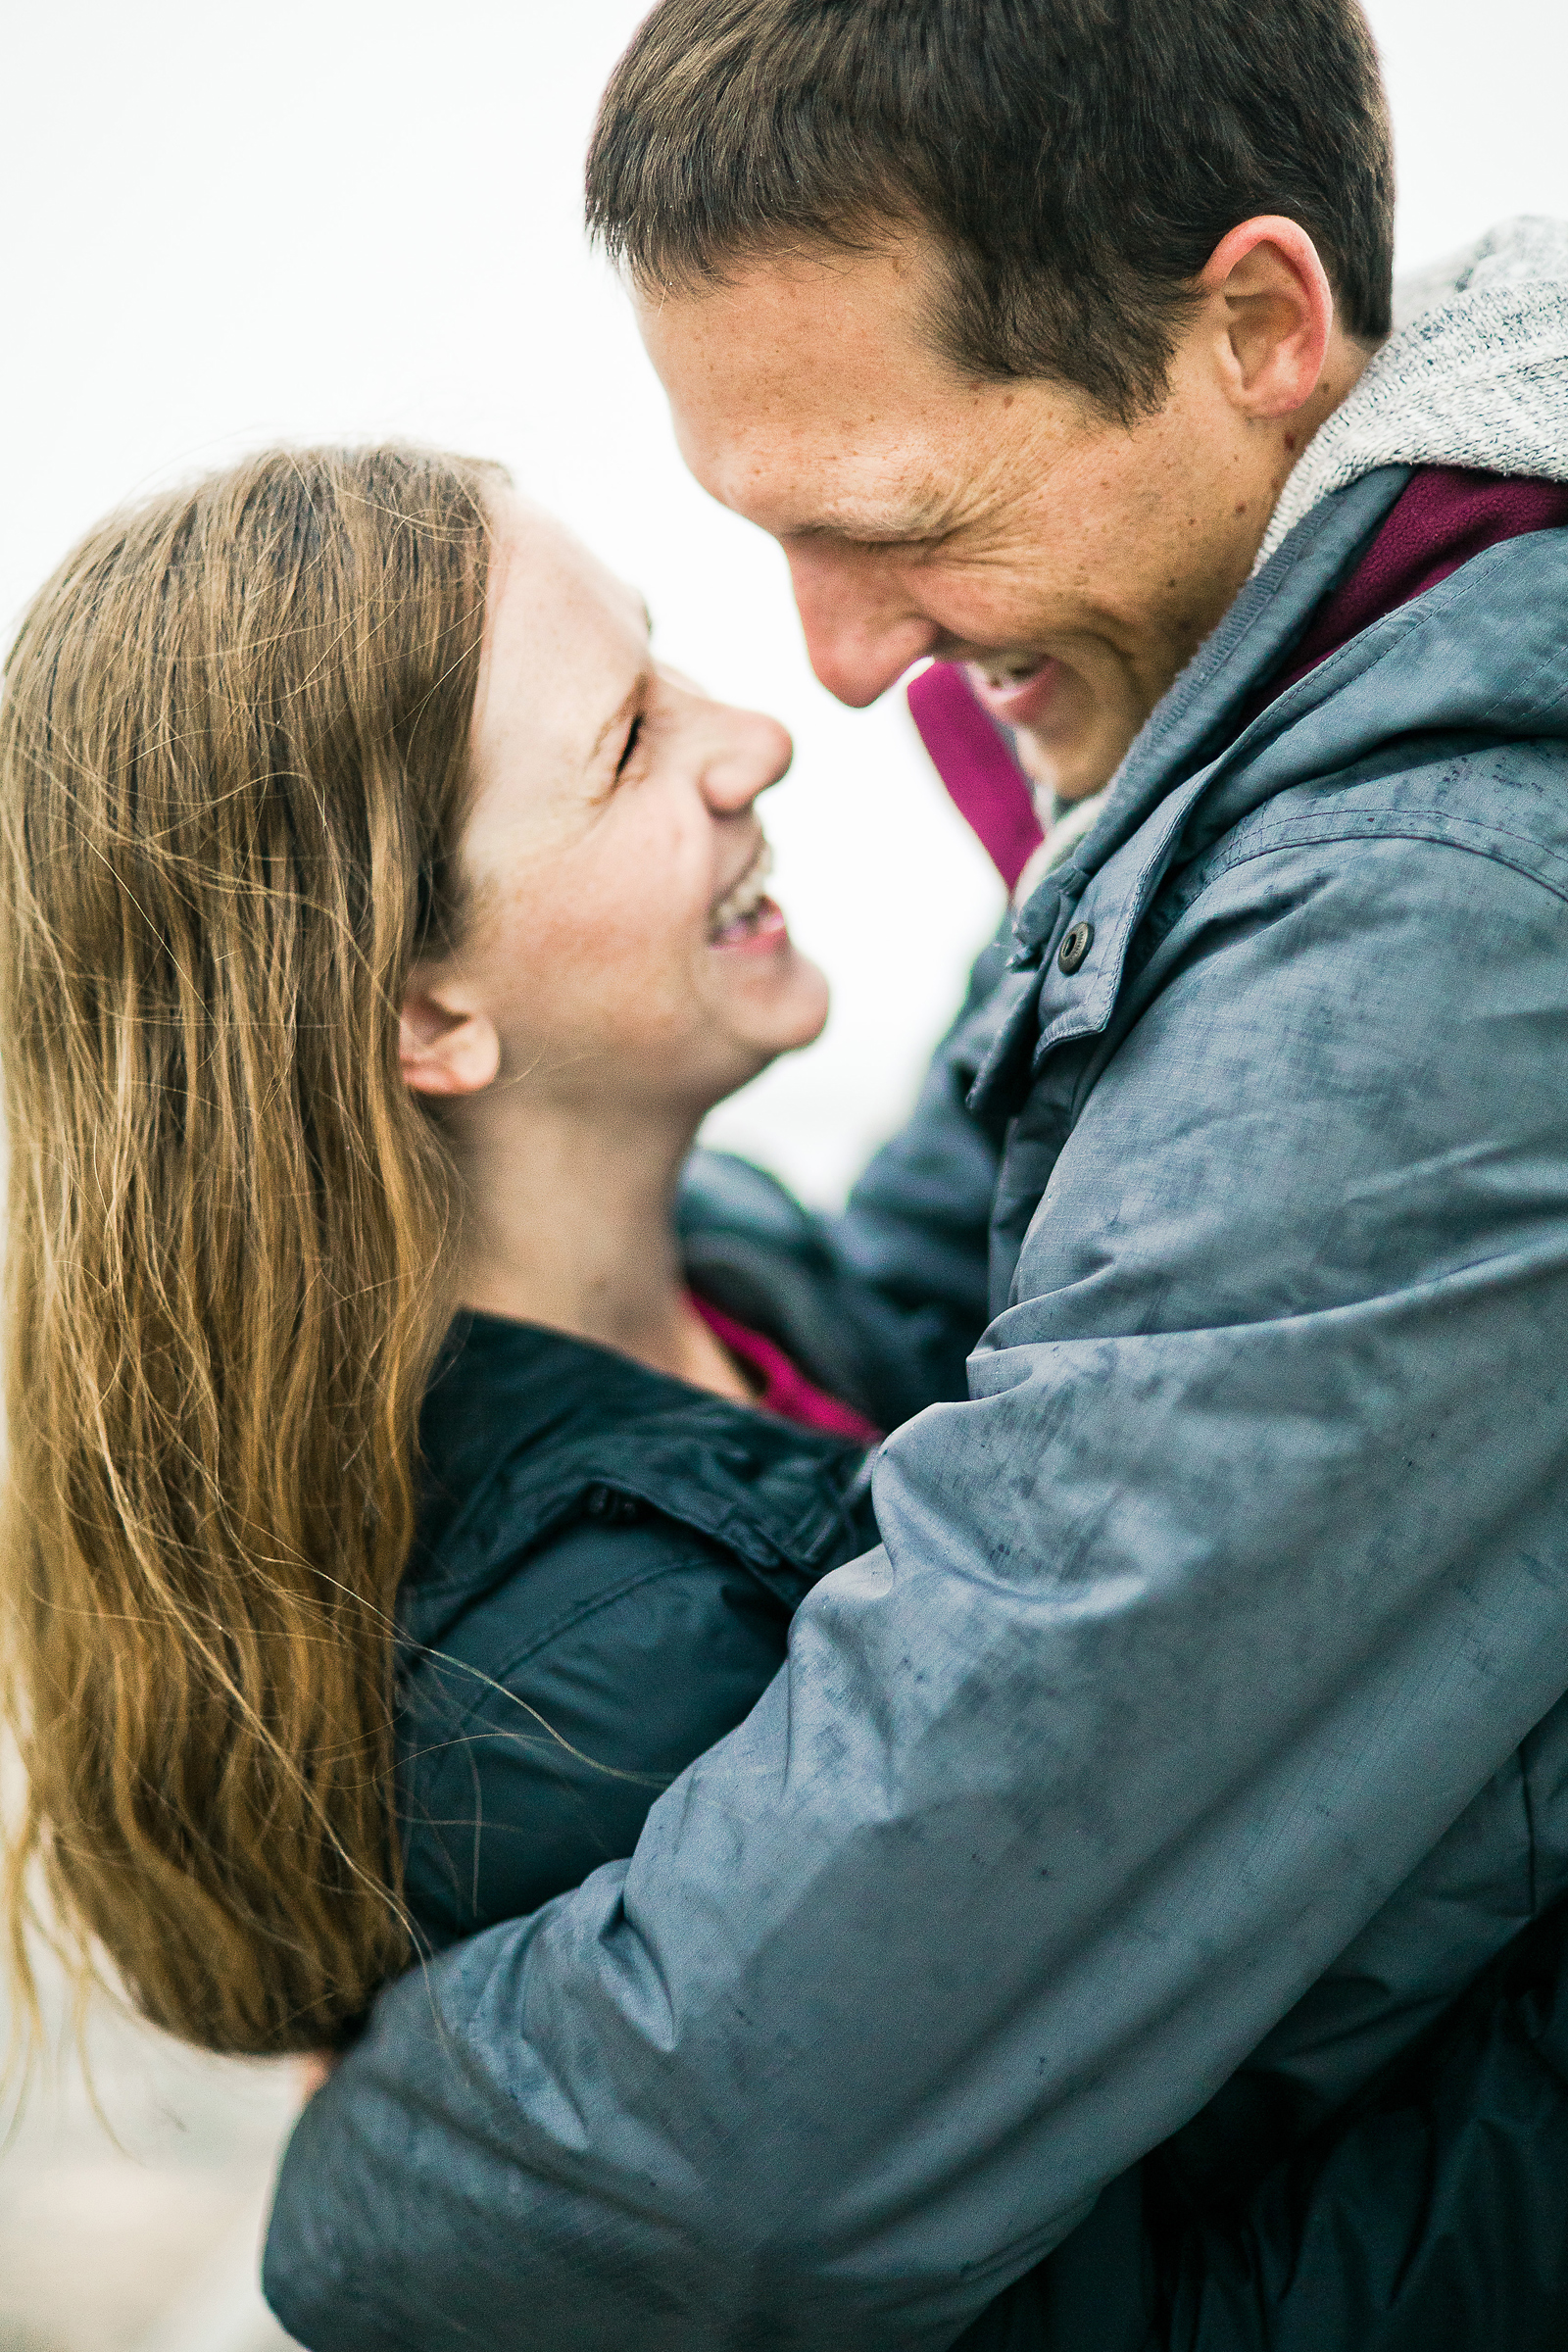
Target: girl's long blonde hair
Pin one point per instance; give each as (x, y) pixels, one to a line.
(232, 749)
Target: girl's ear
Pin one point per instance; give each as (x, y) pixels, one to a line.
(443, 1048)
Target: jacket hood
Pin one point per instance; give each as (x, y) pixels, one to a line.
(1476, 373)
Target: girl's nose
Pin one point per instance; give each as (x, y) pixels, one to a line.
(750, 752)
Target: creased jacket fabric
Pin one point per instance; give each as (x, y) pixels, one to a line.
(1197, 1723)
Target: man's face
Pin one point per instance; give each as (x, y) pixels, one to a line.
(1075, 564)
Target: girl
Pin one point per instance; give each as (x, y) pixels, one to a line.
(388, 1519)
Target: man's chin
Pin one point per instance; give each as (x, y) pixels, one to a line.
(1072, 769)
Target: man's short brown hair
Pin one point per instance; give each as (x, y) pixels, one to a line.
(1076, 160)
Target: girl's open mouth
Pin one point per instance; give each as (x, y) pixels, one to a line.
(746, 916)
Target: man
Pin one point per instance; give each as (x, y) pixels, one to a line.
(1187, 1773)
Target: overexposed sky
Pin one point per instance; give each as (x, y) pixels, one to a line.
(226, 225)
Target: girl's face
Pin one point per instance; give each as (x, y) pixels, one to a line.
(619, 949)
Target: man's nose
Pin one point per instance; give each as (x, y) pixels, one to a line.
(862, 631)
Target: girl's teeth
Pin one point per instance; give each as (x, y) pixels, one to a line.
(747, 894)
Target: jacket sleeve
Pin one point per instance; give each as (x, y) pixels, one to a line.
(1192, 1633)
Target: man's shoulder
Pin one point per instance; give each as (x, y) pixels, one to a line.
(1429, 879)
(1444, 721)
(1507, 800)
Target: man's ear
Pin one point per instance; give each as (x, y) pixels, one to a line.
(444, 1048)
(1276, 315)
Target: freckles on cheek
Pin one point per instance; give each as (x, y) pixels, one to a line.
(585, 968)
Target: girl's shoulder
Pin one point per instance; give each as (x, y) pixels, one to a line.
(527, 1433)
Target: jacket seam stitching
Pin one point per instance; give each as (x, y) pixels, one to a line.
(1242, 855)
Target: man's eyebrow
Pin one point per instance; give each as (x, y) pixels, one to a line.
(930, 518)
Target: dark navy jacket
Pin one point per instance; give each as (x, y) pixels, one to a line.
(606, 1567)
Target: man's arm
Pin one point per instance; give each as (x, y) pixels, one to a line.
(1190, 1634)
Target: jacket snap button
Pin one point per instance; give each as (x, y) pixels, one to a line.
(1075, 946)
(603, 1503)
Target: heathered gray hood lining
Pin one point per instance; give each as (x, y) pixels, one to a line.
(1476, 373)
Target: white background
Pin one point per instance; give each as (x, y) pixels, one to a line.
(228, 225)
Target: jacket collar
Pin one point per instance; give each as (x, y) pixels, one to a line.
(525, 1428)
(1197, 718)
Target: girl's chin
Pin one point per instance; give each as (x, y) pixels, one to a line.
(782, 1010)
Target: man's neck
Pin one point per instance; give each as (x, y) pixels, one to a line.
(1344, 365)
(567, 1222)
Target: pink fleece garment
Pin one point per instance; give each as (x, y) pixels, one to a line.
(1442, 517)
(785, 1388)
(973, 759)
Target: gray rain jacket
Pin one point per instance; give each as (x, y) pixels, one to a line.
(1194, 1739)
